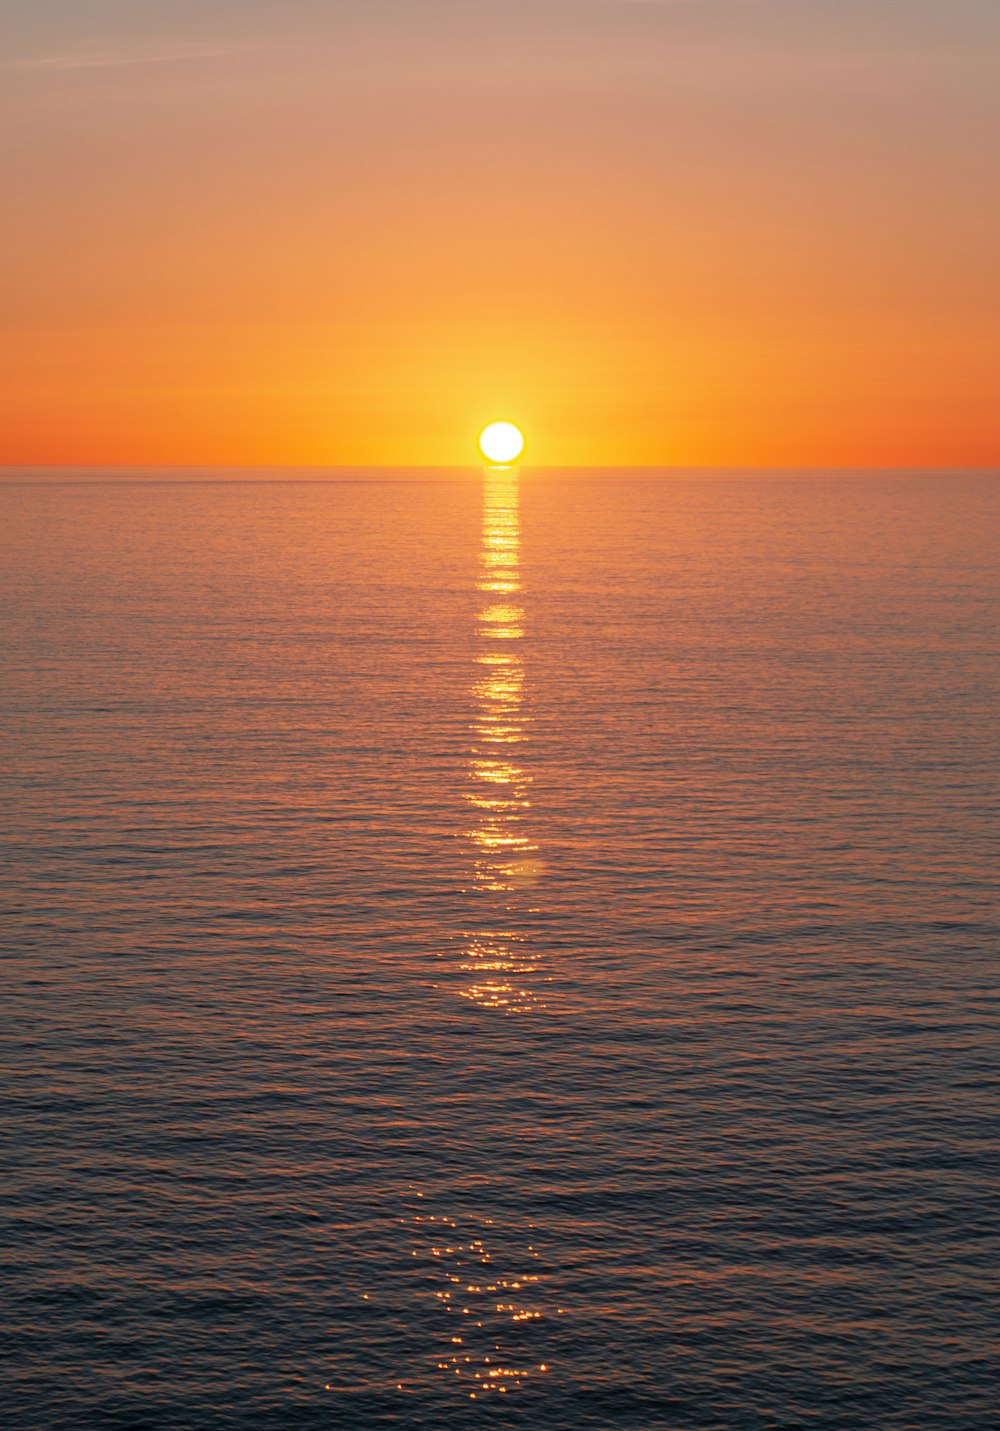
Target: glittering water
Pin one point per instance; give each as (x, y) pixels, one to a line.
(501, 951)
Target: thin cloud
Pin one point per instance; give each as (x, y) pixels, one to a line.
(117, 58)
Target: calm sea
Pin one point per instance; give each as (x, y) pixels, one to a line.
(496, 951)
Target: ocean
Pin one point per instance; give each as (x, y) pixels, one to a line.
(496, 949)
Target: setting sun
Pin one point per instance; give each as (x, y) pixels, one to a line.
(502, 443)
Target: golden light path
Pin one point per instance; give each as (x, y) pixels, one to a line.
(484, 1275)
(497, 955)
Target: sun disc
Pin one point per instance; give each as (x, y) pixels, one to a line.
(501, 443)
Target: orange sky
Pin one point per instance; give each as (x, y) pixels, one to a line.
(741, 232)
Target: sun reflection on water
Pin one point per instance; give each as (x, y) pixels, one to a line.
(500, 963)
(484, 1276)
(489, 1300)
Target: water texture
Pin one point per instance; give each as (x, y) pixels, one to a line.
(496, 950)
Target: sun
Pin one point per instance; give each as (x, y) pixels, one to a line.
(502, 443)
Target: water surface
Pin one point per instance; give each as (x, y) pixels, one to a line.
(501, 951)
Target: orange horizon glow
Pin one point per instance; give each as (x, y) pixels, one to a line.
(662, 235)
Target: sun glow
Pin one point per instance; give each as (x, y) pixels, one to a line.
(501, 443)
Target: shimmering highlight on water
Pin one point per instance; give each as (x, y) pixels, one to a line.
(503, 962)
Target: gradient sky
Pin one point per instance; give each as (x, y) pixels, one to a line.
(746, 232)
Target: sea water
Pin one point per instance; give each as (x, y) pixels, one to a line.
(500, 949)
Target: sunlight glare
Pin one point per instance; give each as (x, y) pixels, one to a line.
(501, 443)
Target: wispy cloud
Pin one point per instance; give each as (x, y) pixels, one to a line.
(117, 58)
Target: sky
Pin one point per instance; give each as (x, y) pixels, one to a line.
(654, 232)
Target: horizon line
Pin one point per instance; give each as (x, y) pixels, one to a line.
(38, 468)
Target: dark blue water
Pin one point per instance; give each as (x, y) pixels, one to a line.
(506, 952)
